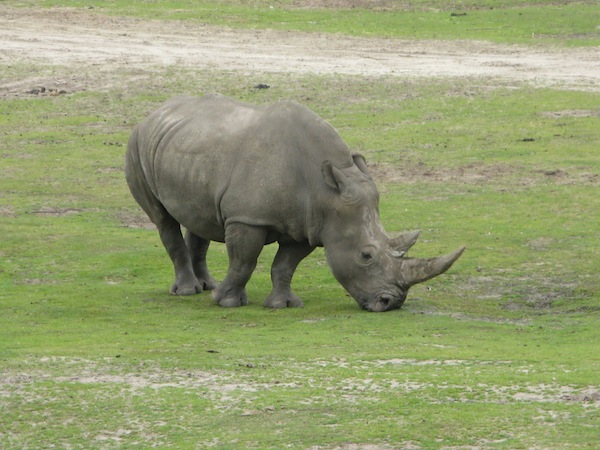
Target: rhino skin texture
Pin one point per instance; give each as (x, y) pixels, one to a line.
(246, 175)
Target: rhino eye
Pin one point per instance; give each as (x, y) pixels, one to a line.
(366, 256)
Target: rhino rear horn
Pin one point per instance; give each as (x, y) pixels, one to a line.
(401, 244)
(417, 270)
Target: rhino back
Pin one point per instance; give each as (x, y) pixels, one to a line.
(213, 161)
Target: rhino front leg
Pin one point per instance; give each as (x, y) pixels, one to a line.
(286, 260)
(198, 247)
(244, 244)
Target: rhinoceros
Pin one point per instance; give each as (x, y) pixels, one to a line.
(248, 176)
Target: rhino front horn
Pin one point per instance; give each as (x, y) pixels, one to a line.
(417, 270)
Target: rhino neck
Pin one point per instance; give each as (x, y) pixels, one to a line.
(314, 222)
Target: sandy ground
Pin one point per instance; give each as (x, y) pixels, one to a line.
(82, 38)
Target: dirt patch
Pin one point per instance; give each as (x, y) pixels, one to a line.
(34, 281)
(415, 173)
(477, 174)
(541, 244)
(7, 211)
(58, 212)
(91, 44)
(403, 445)
(131, 219)
(373, 5)
(576, 113)
(230, 389)
(585, 396)
(349, 4)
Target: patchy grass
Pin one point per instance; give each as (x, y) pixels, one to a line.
(523, 22)
(499, 352)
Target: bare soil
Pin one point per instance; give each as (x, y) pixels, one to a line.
(88, 43)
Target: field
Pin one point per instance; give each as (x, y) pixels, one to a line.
(482, 128)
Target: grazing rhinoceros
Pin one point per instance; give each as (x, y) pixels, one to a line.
(249, 176)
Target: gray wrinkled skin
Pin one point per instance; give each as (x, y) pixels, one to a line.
(249, 176)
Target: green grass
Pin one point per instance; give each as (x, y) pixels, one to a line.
(523, 22)
(499, 352)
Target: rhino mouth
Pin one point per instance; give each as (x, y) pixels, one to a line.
(384, 302)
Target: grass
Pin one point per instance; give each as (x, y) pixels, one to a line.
(500, 352)
(522, 22)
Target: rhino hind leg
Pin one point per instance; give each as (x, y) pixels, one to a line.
(168, 229)
(185, 282)
(198, 247)
(170, 234)
(286, 260)
(244, 244)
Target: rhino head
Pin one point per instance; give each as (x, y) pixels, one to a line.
(369, 264)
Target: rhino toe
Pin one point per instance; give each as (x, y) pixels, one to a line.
(283, 301)
(208, 284)
(183, 289)
(231, 299)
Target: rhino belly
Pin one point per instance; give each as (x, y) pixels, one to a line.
(188, 191)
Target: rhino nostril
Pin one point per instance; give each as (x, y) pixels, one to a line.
(385, 300)
(382, 303)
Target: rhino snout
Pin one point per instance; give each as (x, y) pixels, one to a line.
(384, 302)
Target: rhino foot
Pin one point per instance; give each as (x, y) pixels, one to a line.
(191, 288)
(288, 300)
(207, 283)
(230, 298)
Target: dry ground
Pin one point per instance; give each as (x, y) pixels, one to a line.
(89, 42)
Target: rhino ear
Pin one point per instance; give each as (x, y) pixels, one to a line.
(361, 163)
(334, 178)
